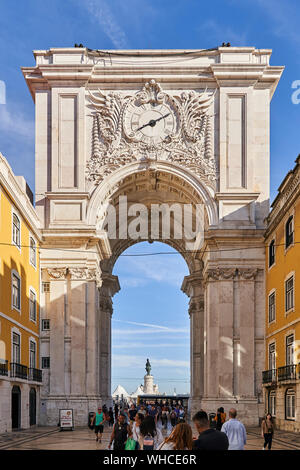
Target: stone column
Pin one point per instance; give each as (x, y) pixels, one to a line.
(109, 286)
(57, 331)
(193, 287)
(232, 359)
(219, 332)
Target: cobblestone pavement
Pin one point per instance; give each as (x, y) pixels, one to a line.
(50, 438)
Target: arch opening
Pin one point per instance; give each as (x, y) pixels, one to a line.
(150, 321)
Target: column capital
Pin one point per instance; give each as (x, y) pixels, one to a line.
(191, 283)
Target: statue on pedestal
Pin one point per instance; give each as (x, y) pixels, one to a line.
(148, 367)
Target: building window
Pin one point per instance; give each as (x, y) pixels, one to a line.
(272, 356)
(290, 404)
(289, 232)
(32, 306)
(45, 362)
(272, 403)
(272, 307)
(16, 231)
(16, 292)
(32, 355)
(271, 253)
(289, 350)
(289, 293)
(32, 249)
(45, 324)
(46, 287)
(16, 348)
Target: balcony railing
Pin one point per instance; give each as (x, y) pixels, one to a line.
(287, 372)
(269, 376)
(18, 370)
(35, 375)
(4, 368)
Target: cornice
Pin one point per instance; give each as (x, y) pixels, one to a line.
(19, 197)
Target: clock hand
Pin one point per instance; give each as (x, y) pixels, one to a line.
(152, 122)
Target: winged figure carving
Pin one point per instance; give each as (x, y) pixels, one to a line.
(194, 107)
(110, 109)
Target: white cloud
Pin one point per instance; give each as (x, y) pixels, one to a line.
(15, 122)
(120, 360)
(165, 268)
(284, 18)
(184, 332)
(148, 325)
(135, 345)
(102, 14)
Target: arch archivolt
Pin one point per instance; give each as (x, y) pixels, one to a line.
(143, 177)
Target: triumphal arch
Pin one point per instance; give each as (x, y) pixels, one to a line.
(143, 128)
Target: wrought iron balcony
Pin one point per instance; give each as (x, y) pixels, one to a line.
(18, 370)
(4, 368)
(269, 376)
(35, 375)
(287, 372)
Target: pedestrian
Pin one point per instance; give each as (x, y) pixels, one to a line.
(125, 413)
(164, 416)
(150, 436)
(267, 431)
(220, 418)
(119, 434)
(153, 412)
(116, 411)
(136, 433)
(98, 422)
(209, 438)
(235, 431)
(132, 413)
(110, 417)
(142, 410)
(181, 438)
(181, 415)
(173, 418)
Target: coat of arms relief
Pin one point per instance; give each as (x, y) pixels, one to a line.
(152, 125)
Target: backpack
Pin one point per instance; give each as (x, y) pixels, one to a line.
(148, 442)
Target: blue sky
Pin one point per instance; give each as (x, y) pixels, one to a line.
(144, 24)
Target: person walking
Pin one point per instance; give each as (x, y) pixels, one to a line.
(132, 413)
(119, 434)
(142, 410)
(209, 438)
(116, 412)
(220, 418)
(135, 429)
(150, 436)
(98, 422)
(164, 416)
(235, 431)
(173, 418)
(181, 438)
(110, 417)
(267, 431)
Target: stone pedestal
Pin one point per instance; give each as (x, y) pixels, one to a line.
(148, 384)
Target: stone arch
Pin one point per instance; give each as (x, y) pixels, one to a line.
(103, 192)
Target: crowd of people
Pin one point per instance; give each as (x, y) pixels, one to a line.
(140, 428)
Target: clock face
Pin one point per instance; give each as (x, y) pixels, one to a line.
(150, 123)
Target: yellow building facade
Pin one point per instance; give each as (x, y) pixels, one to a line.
(281, 378)
(20, 374)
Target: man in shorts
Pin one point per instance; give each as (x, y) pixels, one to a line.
(98, 421)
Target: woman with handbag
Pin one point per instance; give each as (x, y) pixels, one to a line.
(267, 431)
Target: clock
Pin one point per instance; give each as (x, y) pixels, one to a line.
(150, 123)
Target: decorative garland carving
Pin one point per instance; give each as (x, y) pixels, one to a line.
(57, 273)
(189, 146)
(224, 274)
